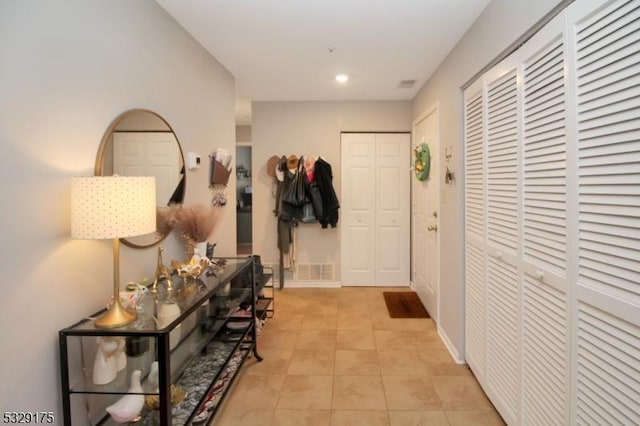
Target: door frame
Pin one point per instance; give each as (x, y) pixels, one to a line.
(250, 146)
(433, 109)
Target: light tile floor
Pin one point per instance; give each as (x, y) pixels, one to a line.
(334, 357)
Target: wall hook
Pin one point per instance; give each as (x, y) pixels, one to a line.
(448, 176)
(448, 153)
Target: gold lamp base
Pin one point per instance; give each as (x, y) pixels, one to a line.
(116, 316)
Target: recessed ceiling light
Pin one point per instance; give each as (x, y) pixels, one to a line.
(342, 78)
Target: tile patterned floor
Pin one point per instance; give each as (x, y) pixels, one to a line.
(334, 357)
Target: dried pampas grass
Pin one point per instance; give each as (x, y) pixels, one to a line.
(196, 223)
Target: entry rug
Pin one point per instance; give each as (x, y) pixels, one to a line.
(404, 304)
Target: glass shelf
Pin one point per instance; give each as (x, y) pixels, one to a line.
(195, 351)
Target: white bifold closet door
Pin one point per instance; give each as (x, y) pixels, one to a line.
(552, 222)
(503, 295)
(544, 190)
(606, 328)
(475, 230)
(375, 209)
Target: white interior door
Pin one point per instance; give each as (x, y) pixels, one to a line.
(375, 209)
(426, 202)
(393, 226)
(357, 207)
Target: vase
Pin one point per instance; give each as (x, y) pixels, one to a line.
(201, 249)
(104, 365)
(167, 313)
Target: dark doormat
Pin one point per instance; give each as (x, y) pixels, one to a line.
(404, 304)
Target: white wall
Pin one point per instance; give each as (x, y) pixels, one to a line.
(68, 68)
(243, 134)
(310, 128)
(499, 25)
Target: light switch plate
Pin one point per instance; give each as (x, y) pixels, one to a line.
(193, 160)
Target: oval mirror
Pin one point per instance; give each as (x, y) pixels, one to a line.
(141, 143)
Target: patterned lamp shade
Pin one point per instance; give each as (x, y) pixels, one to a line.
(104, 207)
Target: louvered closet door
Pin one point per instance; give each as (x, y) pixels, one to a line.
(607, 323)
(545, 286)
(475, 220)
(503, 293)
(560, 264)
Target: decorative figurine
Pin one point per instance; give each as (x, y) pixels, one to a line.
(152, 378)
(127, 408)
(162, 273)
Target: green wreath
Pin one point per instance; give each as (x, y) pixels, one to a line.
(422, 161)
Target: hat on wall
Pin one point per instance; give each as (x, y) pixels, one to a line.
(272, 163)
(292, 162)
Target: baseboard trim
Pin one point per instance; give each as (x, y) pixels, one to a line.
(312, 284)
(450, 347)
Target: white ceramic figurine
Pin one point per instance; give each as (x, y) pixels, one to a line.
(128, 408)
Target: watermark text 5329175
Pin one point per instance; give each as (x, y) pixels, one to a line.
(28, 417)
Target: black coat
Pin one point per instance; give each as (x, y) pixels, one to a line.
(330, 205)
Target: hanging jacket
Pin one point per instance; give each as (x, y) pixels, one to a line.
(330, 205)
(316, 199)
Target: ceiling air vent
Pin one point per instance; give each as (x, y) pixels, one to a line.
(406, 84)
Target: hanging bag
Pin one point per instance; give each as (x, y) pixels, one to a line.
(296, 192)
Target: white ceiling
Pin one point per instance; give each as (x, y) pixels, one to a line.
(291, 50)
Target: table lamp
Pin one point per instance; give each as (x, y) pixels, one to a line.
(114, 207)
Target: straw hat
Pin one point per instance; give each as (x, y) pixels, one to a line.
(292, 162)
(272, 163)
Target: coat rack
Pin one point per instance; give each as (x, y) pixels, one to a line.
(319, 204)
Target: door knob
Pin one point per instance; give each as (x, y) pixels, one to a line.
(432, 228)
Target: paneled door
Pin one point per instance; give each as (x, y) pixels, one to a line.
(425, 212)
(148, 154)
(375, 209)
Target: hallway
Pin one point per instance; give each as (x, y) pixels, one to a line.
(335, 357)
